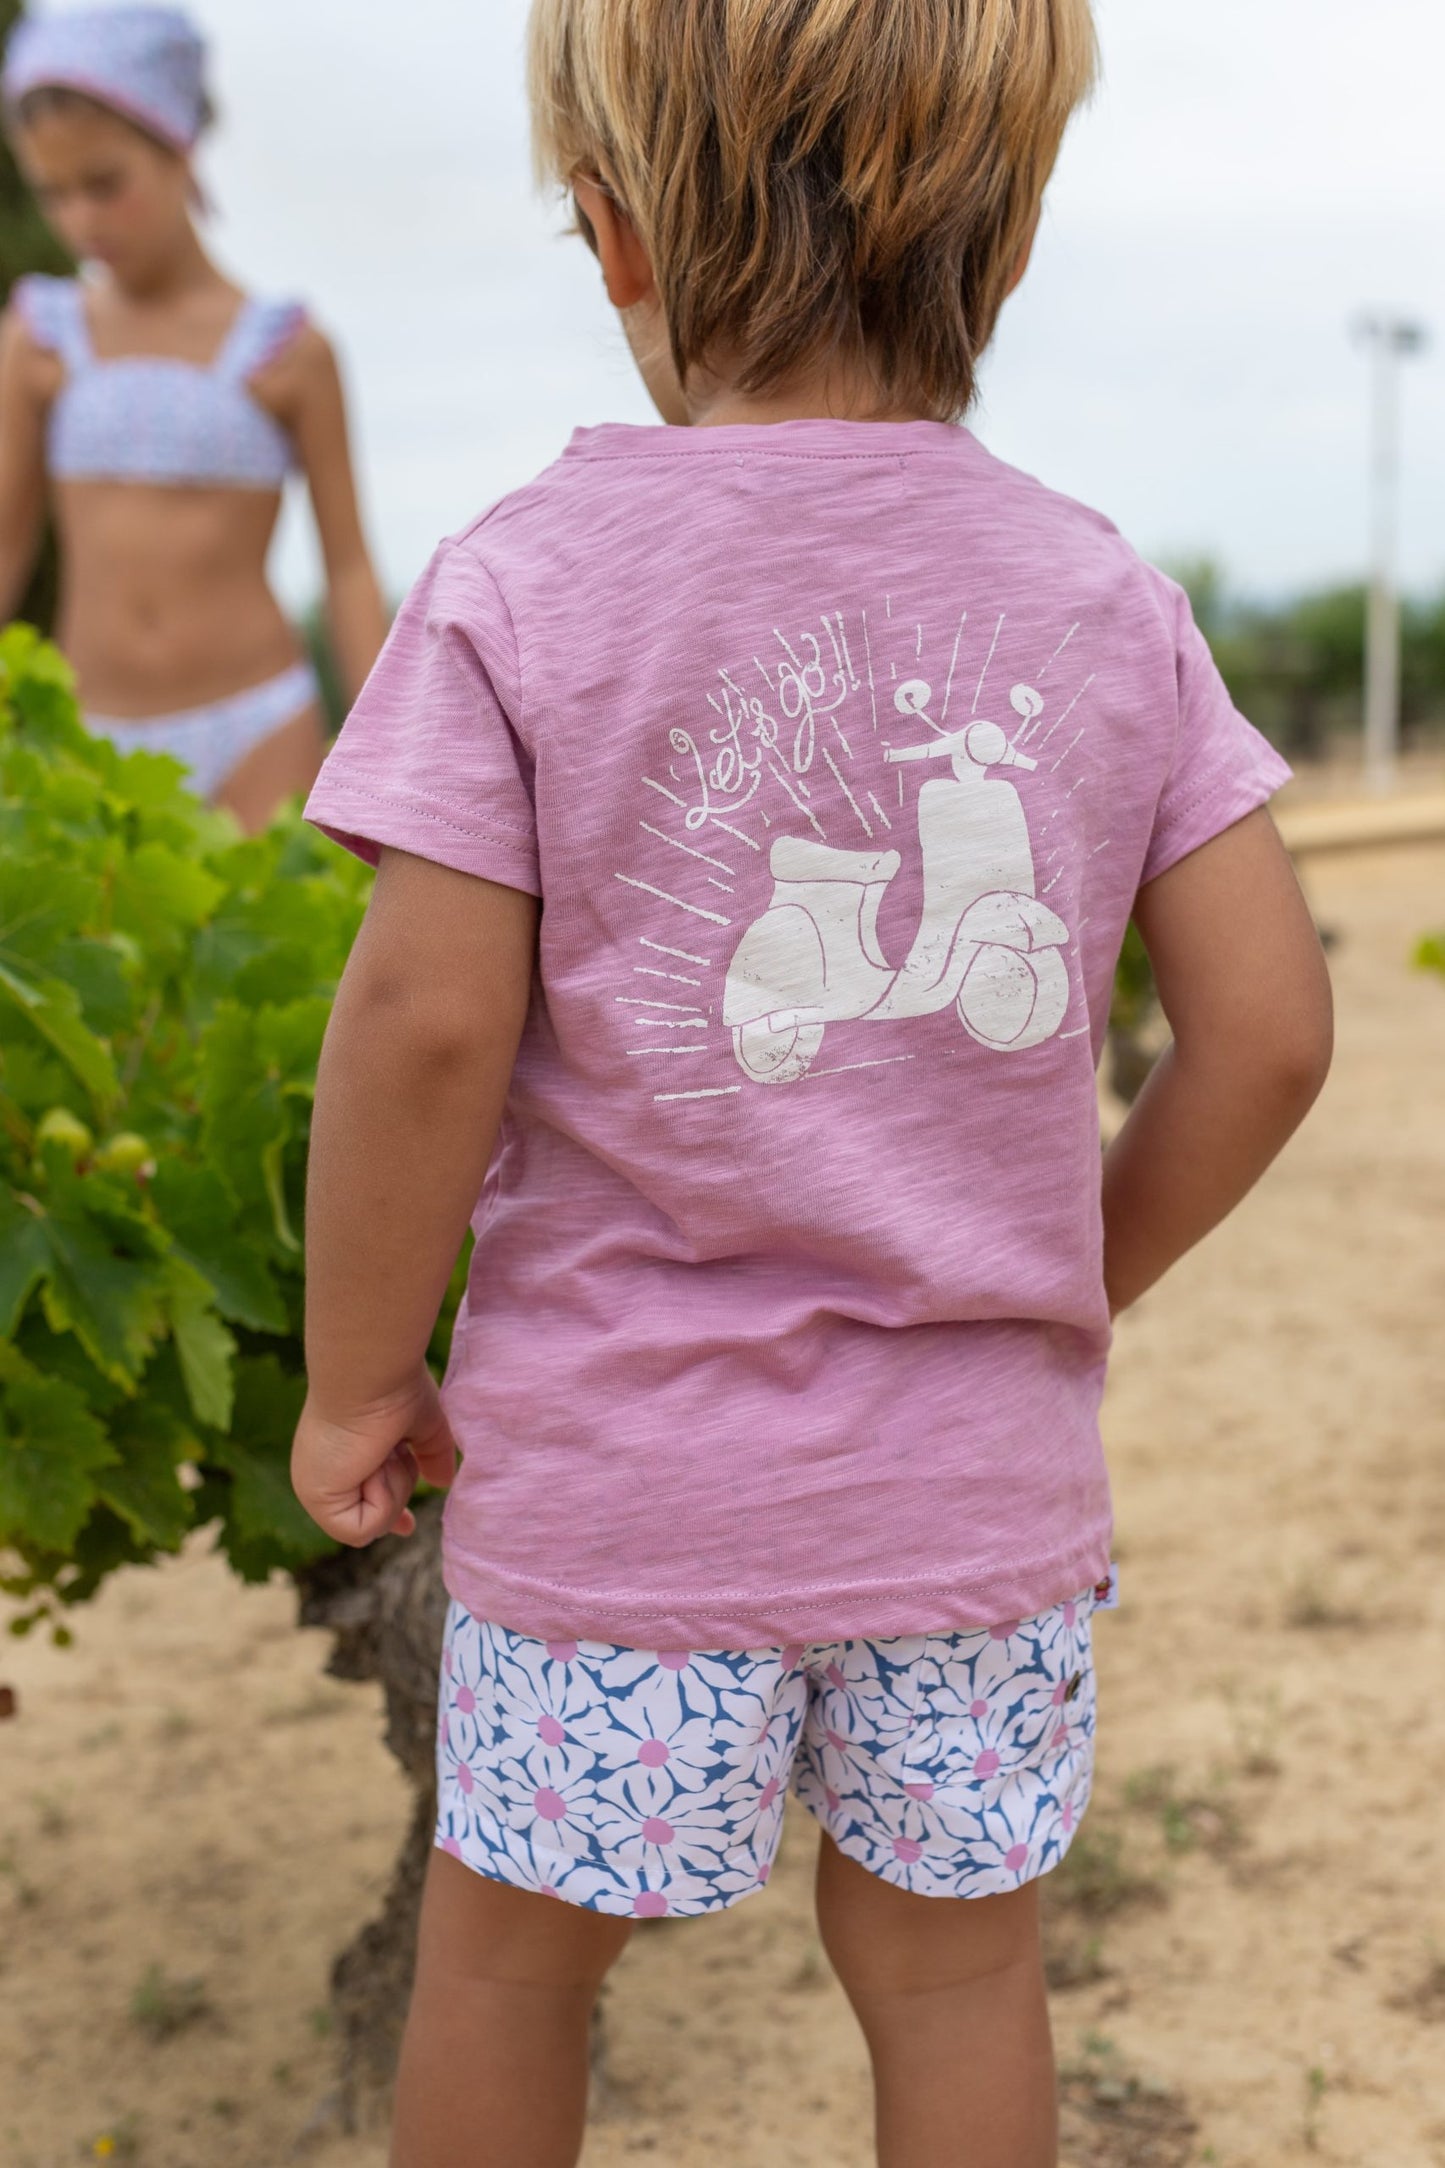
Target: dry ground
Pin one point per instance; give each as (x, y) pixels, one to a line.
(1250, 1944)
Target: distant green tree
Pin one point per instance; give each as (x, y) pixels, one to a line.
(1297, 668)
(26, 244)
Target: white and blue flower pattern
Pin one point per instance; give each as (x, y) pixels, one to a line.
(640, 1782)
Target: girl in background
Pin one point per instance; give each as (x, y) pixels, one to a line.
(162, 409)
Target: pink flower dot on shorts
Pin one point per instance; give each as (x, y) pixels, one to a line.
(831, 1801)
(653, 1753)
(649, 1904)
(792, 1657)
(1061, 1693)
(769, 1793)
(1016, 1857)
(466, 1700)
(447, 1659)
(546, 1889)
(656, 1830)
(449, 1844)
(674, 1659)
(1071, 1613)
(549, 1804)
(919, 1791)
(1068, 1816)
(464, 1778)
(1006, 1631)
(835, 1677)
(562, 1652)
(1061, 1736)
(444, 1732)
(836, 1740)
(764, 1870)
(976, 1709)
(906, 1849)
(987, 1764)
(550, 1732)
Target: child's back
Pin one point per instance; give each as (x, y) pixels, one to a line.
(787, 1315)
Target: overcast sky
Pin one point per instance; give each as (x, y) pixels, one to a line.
(1251, 175)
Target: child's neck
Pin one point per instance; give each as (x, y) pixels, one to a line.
(834, 395)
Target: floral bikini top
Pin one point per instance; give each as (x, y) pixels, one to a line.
(147, 418)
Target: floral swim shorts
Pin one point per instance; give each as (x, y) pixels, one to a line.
(634, 1781)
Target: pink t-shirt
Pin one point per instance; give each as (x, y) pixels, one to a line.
(838, 753)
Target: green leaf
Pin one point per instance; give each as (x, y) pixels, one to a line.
(97, 971)
(42, 904)
(264, 1508)
(206, 1350)
(144, 1486)
(51, 1448)
(159, 895)
(200, 1212)
(105, 1278)
(24, 1255)
(53, 1010)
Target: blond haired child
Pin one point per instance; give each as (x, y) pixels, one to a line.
(759, 803)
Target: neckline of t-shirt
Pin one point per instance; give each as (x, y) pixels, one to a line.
(814, 438)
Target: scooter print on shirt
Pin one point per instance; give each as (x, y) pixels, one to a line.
(985, 943)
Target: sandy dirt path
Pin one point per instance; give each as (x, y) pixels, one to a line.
(1250, 1944)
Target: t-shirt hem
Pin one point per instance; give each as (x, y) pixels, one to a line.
(365, 824)
(957, 1599)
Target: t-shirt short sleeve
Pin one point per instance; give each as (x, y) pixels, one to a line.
(1222, 767)
(429, 760)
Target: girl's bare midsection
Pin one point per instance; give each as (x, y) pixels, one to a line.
(164, 604)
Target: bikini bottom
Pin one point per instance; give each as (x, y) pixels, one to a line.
(213, 741)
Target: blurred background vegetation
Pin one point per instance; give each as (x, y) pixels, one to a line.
(1297, 668)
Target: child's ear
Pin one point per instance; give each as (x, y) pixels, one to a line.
(626, 266)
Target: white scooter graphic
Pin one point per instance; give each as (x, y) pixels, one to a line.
(984, 940)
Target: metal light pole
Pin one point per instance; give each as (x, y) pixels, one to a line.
(1391, 340)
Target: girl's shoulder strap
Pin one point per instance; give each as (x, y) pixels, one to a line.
(262, 331)
(53, 312)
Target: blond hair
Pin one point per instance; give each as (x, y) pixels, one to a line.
(819, 181)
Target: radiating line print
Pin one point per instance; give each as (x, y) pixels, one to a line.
(1043, 741)
(683, 955)
(953, 665)
(1040, 675)
(696, 909)
(988, 663)
(678, 1008)
(724, 1091)
(663, 837)
(864, 821)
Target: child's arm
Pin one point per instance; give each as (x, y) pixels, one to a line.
(1243, 982)
(413, 1076)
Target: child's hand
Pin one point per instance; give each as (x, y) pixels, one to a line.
(355, 1473)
